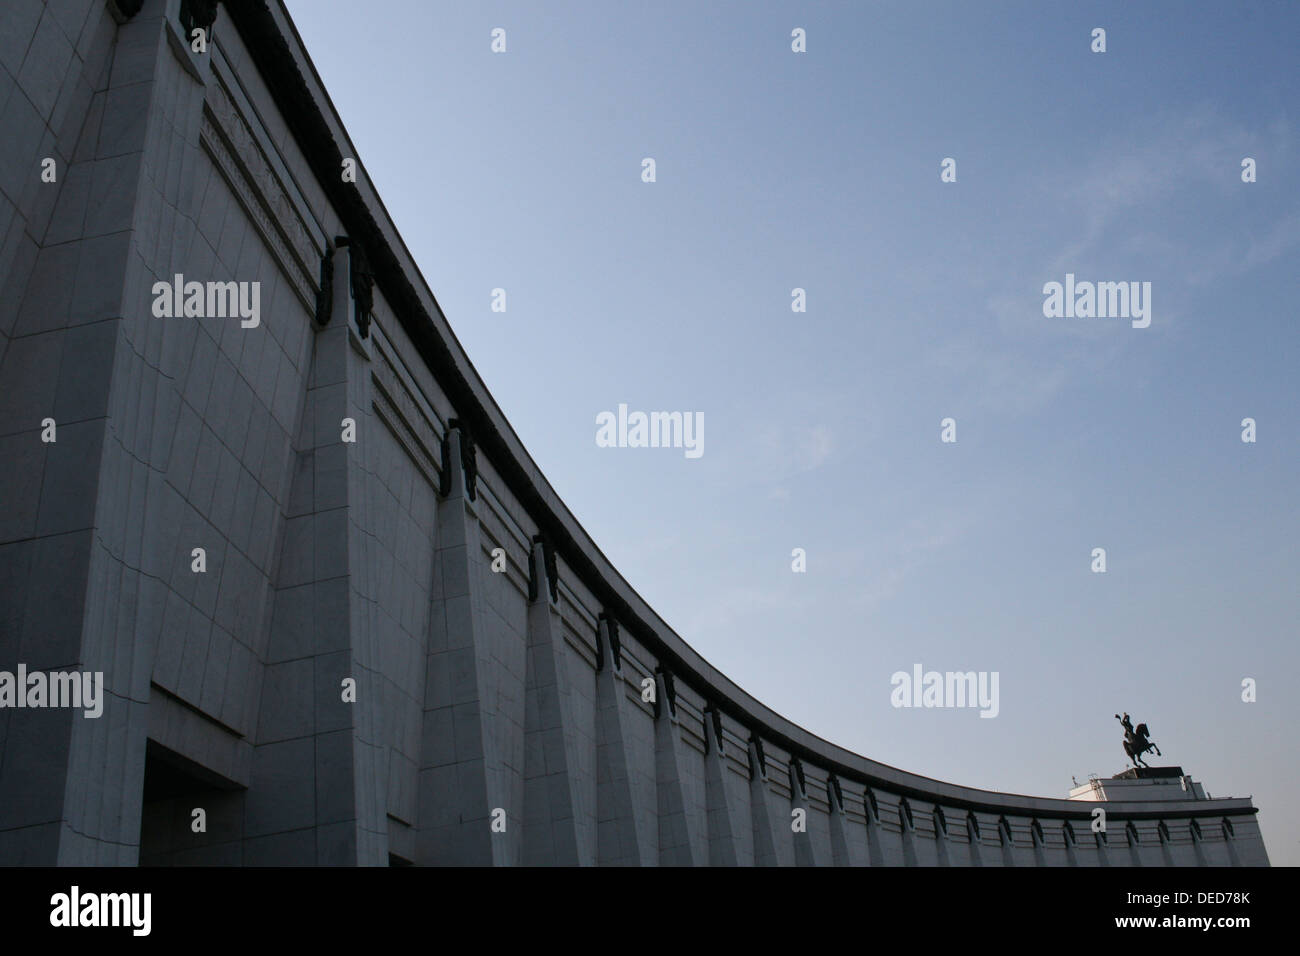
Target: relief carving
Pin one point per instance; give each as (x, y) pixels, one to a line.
(235, 150)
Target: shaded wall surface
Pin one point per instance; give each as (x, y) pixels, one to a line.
(336, 606)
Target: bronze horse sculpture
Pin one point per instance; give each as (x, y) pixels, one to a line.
(1136, 741)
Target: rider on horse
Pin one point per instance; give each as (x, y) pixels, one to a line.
(1136, 742)
(1129, 733)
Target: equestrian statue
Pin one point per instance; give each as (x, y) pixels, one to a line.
(1136, 742)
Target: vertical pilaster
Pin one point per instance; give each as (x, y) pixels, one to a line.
(875, 853)
(1230, 844)
(1006, 841)
(722, 829)
(1131, 839)
(618, 839)
(1071, 851)
(83, 525)
(676, 843)
(361, 532)
(305, 802)
(940, 825)
(459, 789)
(552, 815)
(1198, 849)
(1103, 849)
(840, 855)
(906, 834)
(1039, 841)
(765, 846)
(803, 848)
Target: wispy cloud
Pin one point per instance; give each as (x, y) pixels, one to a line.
(1122, 203)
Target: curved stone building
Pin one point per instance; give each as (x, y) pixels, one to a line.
(251, 479)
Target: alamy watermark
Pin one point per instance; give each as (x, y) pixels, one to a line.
(213, 300)
(55, 689)
(946, 689)
(652, 430)
(1099, 300)
(77, 909)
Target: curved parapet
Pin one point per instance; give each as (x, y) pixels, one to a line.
(331, 597)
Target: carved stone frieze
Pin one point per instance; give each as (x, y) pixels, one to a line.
(234, 148)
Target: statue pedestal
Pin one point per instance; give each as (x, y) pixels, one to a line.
(1142, 784)
(1148, 773)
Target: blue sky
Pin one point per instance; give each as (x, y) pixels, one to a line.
(778, 170)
